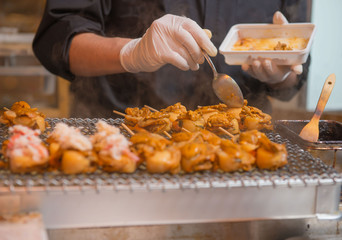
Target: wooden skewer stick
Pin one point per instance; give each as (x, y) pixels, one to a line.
(122, 124)
(155, 110)
(127, 129)
(119, 113)
(167, 134)
(151, 108)
(186, 130)
(226, 132)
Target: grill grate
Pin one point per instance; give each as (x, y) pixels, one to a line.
(302, 168)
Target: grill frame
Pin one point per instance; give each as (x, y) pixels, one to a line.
(305, 187)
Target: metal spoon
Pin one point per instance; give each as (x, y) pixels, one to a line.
(225, 88)
(311, 130)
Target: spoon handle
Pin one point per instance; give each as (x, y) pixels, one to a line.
(325, 94)
(211, 64)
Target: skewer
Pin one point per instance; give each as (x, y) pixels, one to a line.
(119, 113)
(127, 129)
(167, 134)
(151, 108)
(186, 130)
(226, 132)
(155, 110)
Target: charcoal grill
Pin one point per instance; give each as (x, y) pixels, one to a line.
(306, 187)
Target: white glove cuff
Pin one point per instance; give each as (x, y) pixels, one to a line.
(126, 56)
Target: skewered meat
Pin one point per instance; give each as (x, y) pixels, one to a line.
(112, 149)
(252, 137)
(214, 118)
(207, 111)
(24, 150)
(190, 120)
(197, 157)
(167, 160)
(254, 118)
(70, 151)
(157, 152)
(200, 136)
(226, 121)
(233, 157)
(134, 115)
(174, 111)
(22, 114)
(269, 155)
(198, 149)
(156, 122)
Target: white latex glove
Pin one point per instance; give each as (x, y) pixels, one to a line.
(266, 70)
(170, 39)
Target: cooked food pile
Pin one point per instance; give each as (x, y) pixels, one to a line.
(70, 151)
(25, 150)
(214, 118)
(112, 149)
(22, 114)
(171, 140)
(267, 44)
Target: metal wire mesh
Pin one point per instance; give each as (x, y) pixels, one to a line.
(301, 168)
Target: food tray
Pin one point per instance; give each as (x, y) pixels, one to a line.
(305, 30)
(306, 187)
(330, 134)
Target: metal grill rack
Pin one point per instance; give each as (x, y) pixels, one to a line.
(305, 187)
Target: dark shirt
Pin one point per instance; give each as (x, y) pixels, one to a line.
(98, 96)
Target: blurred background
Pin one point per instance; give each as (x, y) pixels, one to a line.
(23, 78)
(21, 75)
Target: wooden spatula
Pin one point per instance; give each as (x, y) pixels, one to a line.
(311, 130)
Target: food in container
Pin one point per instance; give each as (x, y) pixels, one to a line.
(286, 44)
(270, 44)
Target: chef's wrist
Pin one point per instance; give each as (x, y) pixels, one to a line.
(127, 56)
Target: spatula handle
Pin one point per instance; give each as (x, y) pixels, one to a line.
(325, 94)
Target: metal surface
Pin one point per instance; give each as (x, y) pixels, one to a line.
(303, 229)
(305, 187)
(330, 134)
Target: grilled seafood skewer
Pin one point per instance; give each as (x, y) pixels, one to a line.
(112, 149)
(70, 151)
(22, 114)
(153, 122)
(24, 150)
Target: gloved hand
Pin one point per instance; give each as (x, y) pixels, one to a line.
(266, 70)
(170, 39)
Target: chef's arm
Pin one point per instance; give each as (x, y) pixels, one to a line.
(62, 21)
(93, 55)
(169, 40)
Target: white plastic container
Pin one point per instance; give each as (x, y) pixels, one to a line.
(281, 57)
